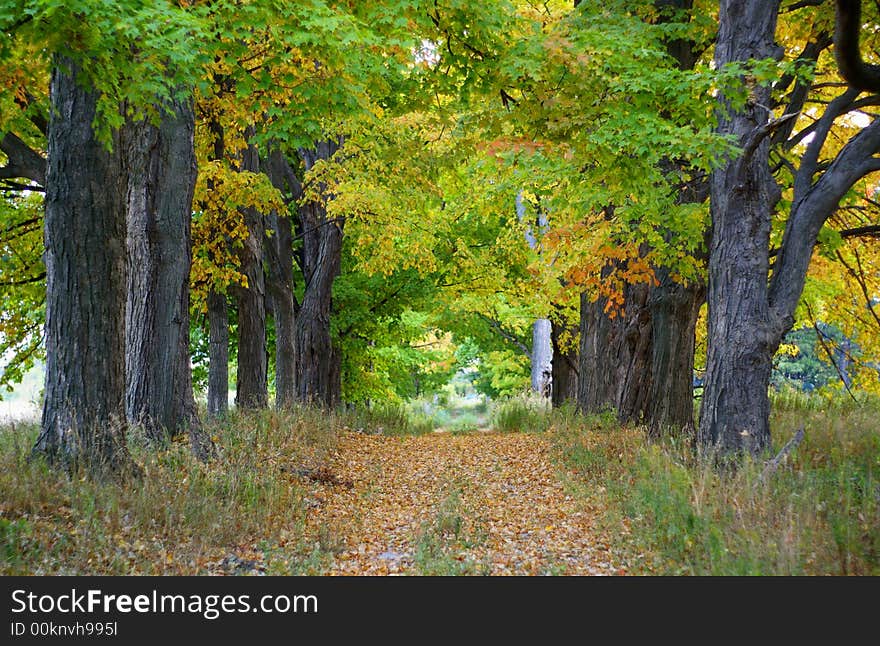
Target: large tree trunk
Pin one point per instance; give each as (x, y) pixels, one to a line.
(161, 179)
(564, 366)
(734, 417)
(675, 309)
(218, 354)
(596, 354)
(252, 385)
(317, 374)
(542, 357)
(614, 363)
(279, 284)
(83, 413)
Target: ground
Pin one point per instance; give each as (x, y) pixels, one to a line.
(443, 503)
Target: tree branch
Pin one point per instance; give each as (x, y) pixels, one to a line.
(857, 73)
(495, 325)
(757, 136)
(810, 211)
(810, 159)
(23, 160)
(821, 337)
(772, 465)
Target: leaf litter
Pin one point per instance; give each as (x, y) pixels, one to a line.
(491, 503)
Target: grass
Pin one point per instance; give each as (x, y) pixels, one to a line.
(389, 418)
(180, 517)
(441, 544)
(672, 514)
(524, 413)
(819, 514)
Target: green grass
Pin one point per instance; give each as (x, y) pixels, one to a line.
(819, 514)
(390, 418)
(524, 413)
(179, 517)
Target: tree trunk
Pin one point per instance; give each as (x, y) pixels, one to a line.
(596, 354)
(541, 357)
(279, 283)
(675, 309)
(734, 416)
(317, 375)
(84, 412)
(161, 179)
(614, 364)
(252, 387)
(564, 367)
(218, 354)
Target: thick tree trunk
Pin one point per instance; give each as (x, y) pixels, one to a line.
(614, 363)
(252, 386)
(541, 357)
(279, 283)
(161, 179)
(317, 374)
(218, 354)
(596, 354)
(564, 367)
(84, 412)
(634, 356)
(734, 416)
(675, 309)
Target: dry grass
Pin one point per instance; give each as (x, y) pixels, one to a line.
(242, 513)
(819, 514)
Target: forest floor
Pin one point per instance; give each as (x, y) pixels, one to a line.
(449, 503)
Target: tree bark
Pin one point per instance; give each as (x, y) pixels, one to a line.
(541, 357)
(218, 354)
(252, 386)
(317, 370)
(161, 167)
(564, 367)
(279, 283)
(614, 364)
(675, 309)
(734, 416)
(83, 419)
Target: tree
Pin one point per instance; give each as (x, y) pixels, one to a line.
(83, 414)
(161, 174)
(749, 315)
(86, 202)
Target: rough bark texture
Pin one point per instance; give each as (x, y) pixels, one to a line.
(161, 168)
(674, 312)
(734, 417)
(218, 354)
(83, 413)
(252, 385)
(279, 282)
(614, 363)
(564, 367)
(541, 357)
(318, 371)
(640, 363)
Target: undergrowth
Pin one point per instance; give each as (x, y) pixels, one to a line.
(818, 514)
(242, 513)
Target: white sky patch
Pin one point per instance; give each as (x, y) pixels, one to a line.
(427, 53)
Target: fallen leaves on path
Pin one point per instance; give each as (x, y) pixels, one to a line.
(491, 502)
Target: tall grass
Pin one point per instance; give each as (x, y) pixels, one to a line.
(526, 413)
(818, 514)
(389, 418)
(179, 517)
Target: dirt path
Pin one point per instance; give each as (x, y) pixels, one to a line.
(481, 503)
